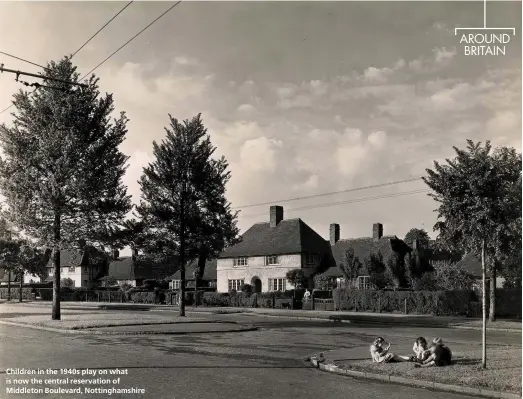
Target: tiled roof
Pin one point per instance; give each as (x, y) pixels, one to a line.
(333, 271)
(363, 247)
(472, 264)
(127, 268)
(209, 272)
(74, 257)
(4, 276)
(290, 236)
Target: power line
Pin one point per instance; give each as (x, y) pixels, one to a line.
(22, 59)
(365, 199)
(101, 29)
(76, 52)
(130, 40)
(329, 193)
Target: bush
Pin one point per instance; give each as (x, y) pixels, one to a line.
(66, 283)
(246, 288)
(443, 303)
(15, 292)
(143, 296)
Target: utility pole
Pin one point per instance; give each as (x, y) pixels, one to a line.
(18, 73)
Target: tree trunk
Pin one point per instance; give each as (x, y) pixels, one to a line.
(56, 264)
(21, 282)
(9, 285)
(182, 256)
(492, 310)
(484, 294)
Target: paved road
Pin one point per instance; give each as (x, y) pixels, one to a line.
(259, 364)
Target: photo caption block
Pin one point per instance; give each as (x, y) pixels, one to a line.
(103, 382)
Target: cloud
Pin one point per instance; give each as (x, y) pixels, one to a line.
(259, 155)
(246, 107)
(442, 55)
(185, 61)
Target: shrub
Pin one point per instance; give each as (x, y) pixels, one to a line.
(66, 283)
(444, 303)
(15, 293)
(143, 296)
(246, 288)
(215, 299)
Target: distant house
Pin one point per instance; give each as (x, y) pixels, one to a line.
(268, 251)
(363, 248)
(84, 265)
(207, 281)
(472, 264)
(134, 269)
(4, 277)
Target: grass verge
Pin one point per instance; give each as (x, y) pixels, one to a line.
(503, 371)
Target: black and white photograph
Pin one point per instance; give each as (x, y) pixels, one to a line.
(260, 199)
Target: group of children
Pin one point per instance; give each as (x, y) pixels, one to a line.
(437, 354)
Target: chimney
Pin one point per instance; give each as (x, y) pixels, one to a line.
(276, 214)
(81, 243)
(134, 253)
(377, 231)
(334, 233)
(115, 254)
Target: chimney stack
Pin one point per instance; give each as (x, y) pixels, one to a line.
(115, 254)
(377, 231)
(276, 214)
(334, 233)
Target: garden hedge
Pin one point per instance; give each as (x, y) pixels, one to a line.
(441, 303)
(15, 292)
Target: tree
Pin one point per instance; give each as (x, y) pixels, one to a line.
(9, 252)
(479, 196)
(32, 260)
(450, 276)
(297, 278)
(395, 270)
(417, 234)
(183, 209)
(61, 170)
(321, 282)
(376, 269)
(350, 265)
(67, 283)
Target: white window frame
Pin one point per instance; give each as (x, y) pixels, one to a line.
(277, 284)
(176, 284)
(310, 259)
(364, 282)
(272, 260)
(235, 284)
(241, 261)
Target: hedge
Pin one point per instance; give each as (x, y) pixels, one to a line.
(15, 292)
(442, 303)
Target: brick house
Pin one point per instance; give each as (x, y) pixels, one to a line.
(208, 279)
(363, 247)
(134, 269)
(268, 251)
(84, 265)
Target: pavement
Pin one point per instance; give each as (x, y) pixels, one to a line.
(261, 364)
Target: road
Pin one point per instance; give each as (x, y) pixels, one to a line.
(267, 363)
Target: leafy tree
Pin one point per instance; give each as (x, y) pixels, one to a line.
(61, 170)
(350, 265)
(67, 282)
(183, 209)
(321, 282)
(479, 196)
(9, 252)
(376, 269)
(296, 277)
(395, 270)
(417, 234)
(450, 276)
(32, 260)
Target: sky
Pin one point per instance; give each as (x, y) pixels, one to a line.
(302, 98)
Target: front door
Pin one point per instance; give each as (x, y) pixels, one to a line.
(256, 284)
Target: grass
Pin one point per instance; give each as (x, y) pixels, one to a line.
(96, 320)
(503, 371)
(500, 324)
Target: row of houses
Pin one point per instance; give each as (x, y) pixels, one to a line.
(262, 259)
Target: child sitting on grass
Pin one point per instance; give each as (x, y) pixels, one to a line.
(380, 354)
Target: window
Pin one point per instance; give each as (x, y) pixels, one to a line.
(310, 259)
(276, 284)
(235, 285)
(71, 269)
(85, 283)
(176, 284)
(85, 269)
(212, 284)
(240, 262)
(363, 282)
(272, 260)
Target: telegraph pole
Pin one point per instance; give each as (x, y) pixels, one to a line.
(21, 73)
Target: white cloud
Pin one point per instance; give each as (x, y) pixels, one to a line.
(443, 55)
(246, 107)
(181, 60)
(260, 154)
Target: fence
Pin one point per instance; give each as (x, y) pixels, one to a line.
(46, 294)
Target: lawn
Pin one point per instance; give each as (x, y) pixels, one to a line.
(503, 371)
(499, 324)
